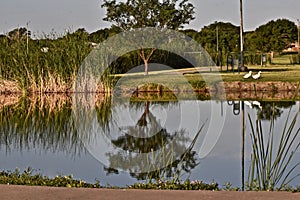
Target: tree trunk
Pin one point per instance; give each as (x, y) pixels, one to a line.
(146, 59)
(146, 67)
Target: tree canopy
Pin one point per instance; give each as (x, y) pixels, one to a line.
(273, 36)
(163, 14)
(172, 14)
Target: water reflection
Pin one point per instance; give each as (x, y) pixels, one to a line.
(141, 138)
(39, 122)
(265, 109)
(273, 153)
(149, 135)
(271, 163)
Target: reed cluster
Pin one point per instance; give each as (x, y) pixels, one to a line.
(272, 164)
(43, 65)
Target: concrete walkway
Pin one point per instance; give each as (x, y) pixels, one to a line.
(11, 192)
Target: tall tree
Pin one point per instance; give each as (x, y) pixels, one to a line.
(170, 14)
(273, 36)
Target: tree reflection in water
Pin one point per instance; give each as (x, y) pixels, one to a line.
(148, 135)
(273, 109)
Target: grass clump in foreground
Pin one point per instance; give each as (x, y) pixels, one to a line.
(172, 185)
(28, 177)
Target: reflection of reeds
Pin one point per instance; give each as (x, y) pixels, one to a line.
(40, 121)
(7, 100)
(47, 122)
(52, 102)
(8, 87)
(271, 164)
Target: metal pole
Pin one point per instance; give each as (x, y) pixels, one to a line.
(27, 37)
(298, 36)
(217, 45)
(241, 35)
(217, 39)
(243, 146)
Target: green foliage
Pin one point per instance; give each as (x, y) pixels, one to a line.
(228, 39)
(39, 71)
(176, 185)
(270, 167)
(132, 59)
(273, 36)
(29, 177)
(132, 14)
(172, 14)
(102, 34)
(228, 187)
(55, 70)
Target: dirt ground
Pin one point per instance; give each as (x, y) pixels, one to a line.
(11, 192)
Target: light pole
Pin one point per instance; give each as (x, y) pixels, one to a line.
(243, 146)
(243, 106)
(217, 32)
(298, 36)
(241, 36)
(27, 36)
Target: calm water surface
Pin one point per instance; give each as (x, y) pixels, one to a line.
(121, 142)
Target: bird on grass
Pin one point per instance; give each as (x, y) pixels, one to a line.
(248, 74)
(256, 76)
(45, 49)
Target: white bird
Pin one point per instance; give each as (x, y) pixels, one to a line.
(248, 103)
(256, 103)
(44, 49)
(94, 45)
(256, 76)
(248, 75)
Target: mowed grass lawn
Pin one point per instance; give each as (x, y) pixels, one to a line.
(272, 73)
(197, 77)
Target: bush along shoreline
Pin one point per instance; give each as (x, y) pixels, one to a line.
(30, 177)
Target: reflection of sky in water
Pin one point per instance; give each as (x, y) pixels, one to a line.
(222, 164)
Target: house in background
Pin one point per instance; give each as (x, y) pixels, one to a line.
(292, 48)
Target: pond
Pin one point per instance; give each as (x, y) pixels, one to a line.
(120, 141)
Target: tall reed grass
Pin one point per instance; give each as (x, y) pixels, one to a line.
(41, 71)
(271, 163)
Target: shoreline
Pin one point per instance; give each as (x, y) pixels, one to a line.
(9, 91)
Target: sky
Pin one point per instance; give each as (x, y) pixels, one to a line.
(46, 16)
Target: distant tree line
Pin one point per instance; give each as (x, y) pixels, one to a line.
(219, 39)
